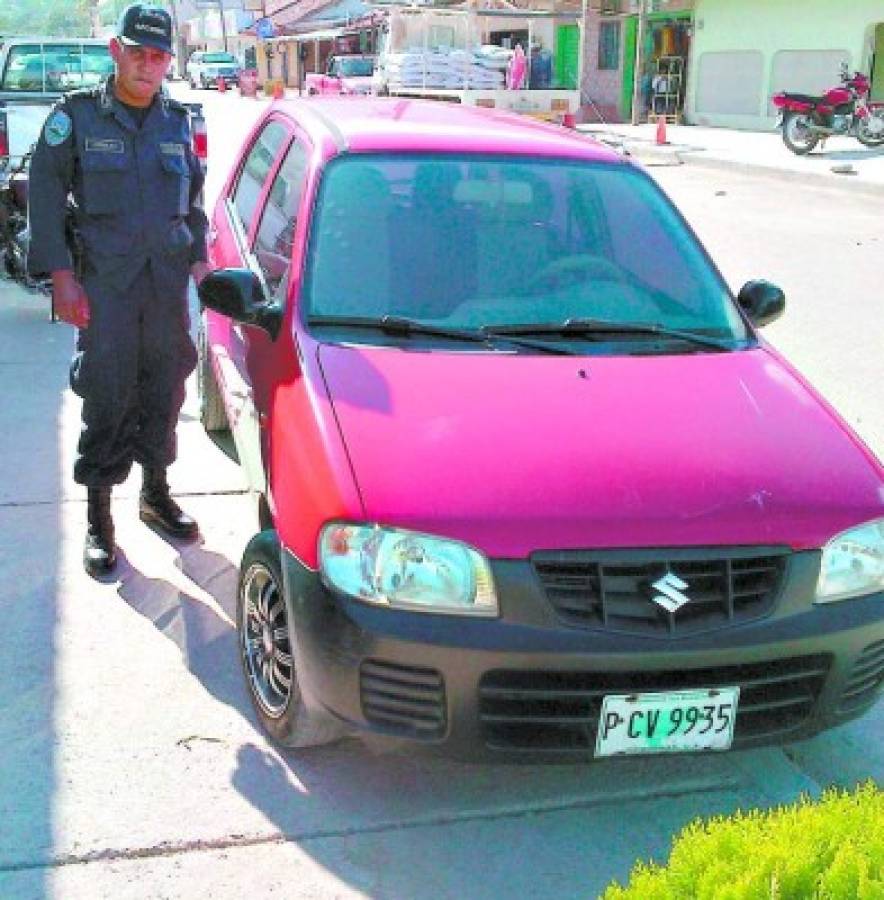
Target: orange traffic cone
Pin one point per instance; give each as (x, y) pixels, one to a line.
(222, 84)
(278, 93)
(661, 130)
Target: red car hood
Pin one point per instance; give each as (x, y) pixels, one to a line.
(515, 453)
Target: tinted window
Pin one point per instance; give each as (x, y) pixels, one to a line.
(55, 67)
(257, 166)
(273, 243)
(479, 240)
(353, 67)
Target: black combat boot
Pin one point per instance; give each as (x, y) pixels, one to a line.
(99, 552)
(156, 507)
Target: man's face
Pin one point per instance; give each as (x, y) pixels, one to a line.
(140, 72)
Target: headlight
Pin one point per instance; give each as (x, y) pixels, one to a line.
(853, 564)
(406, 570)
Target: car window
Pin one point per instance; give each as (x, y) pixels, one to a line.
(474, 240)
(255, 171)
(273, 242)
(355, 66)
(219, 58)
(55, 67)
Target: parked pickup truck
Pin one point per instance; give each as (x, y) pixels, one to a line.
(343, 75)
(449, 55)
(34, 73)
(205, 69)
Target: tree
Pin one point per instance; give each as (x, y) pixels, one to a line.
(62, 18)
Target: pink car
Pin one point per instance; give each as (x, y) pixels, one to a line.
(528, 480)
(343, 75)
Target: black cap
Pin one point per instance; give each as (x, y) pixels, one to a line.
(146, 26)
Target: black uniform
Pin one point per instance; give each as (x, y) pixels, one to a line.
(141, 225)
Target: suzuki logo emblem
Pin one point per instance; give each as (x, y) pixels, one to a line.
(670, 595)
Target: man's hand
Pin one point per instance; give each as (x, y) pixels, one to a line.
(69, 298)
(199, 270)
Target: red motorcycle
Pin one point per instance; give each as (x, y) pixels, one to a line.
(844, 110)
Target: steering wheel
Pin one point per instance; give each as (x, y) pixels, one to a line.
(573, 269)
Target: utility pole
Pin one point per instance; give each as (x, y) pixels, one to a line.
(223, 24)
(179, 38)
(639, 59)
(94, 19)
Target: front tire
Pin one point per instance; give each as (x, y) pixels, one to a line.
(797, 135)
(268, 652)
(868, 136)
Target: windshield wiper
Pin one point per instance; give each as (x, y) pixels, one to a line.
(592, 327)
(403, 327)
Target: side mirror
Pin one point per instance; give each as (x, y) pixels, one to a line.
(238, 293)
(762, 301)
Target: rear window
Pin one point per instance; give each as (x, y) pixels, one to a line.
(475, 240)
(355, 67)
(55, 68)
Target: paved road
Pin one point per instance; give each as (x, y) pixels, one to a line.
(131, 762)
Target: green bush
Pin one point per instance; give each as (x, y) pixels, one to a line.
(832, 849)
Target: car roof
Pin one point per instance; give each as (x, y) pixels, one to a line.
(377, 124)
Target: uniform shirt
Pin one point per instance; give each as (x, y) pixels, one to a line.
(136, 191)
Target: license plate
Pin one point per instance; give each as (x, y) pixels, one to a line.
(672, 722)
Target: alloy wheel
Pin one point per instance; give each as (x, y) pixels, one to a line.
(264, 640)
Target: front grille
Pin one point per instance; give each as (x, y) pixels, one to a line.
(406, 700)
(865, 679)
(559, 711)
(614, 591)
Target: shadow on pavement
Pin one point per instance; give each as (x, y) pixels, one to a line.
(206, 641)
(395, 824)
(33, 354)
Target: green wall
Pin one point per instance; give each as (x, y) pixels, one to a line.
(770, 26)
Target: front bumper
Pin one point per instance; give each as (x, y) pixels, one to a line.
(214, 79)
(528, 686)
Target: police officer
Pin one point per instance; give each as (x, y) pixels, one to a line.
(118, 159)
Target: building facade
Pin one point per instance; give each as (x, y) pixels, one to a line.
(744, 51)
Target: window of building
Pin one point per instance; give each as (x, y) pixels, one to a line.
(609, 45)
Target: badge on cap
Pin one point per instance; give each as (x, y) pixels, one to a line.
(57, 128)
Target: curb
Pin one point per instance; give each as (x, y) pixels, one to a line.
(853, 183)
(680, 154)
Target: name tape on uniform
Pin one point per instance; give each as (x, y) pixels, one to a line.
(105, 145)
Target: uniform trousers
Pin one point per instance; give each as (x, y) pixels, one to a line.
(130, 368)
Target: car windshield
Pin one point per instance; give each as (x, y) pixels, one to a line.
(354, 67)
(471, 241)
(55, 67)
(219, 58)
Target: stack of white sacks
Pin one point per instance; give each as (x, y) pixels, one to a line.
(482, 68)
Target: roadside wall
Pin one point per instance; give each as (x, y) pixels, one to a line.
(744, 52)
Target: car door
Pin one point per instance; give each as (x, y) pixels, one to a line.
(261, 212)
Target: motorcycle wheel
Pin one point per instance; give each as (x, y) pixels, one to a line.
(797, 135)
(869, 137)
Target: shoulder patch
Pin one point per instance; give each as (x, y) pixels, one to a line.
(57, 128)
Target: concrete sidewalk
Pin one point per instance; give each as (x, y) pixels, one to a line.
(843, 162)
(133, 766)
